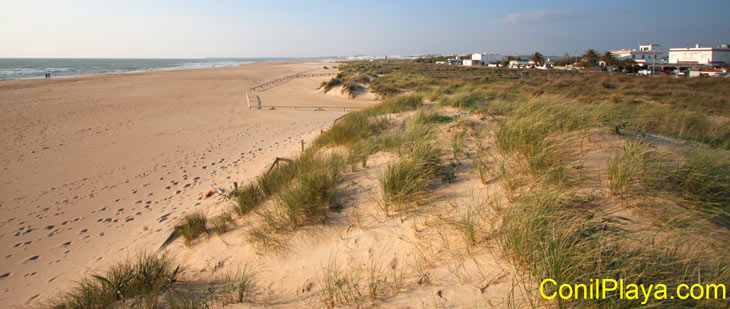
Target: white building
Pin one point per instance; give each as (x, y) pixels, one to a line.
(719, 56)
(647, 54)
(454, 60)
(518, 64)
(483, 59)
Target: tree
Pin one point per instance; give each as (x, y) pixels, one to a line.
(507, 59)
(629, 65)
(609, 59)
(538, 59)
(590, 57)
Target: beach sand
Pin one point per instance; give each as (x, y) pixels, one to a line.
(97, 169)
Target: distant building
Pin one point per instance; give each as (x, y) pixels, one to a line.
(482, 59)
(518, 64)
(719, 56)
(646, 54)
(708, 72)
(454, 60)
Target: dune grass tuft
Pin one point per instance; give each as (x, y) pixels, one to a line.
(221, 223)
(192, 226)
(313, 192)
(134, 283)
(245, 199)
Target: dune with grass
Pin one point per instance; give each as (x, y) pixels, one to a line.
(98, 169)
(463, 188)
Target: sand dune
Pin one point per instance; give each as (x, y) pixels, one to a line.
(98, 168)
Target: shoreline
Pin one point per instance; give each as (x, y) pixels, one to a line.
(155, 69)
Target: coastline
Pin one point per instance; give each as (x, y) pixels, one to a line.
(182, 68)
(100, 167)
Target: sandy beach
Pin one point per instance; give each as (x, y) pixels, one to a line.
(96, 169)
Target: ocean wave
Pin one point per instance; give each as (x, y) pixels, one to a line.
(37, 68)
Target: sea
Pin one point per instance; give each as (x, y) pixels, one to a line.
(23, 68)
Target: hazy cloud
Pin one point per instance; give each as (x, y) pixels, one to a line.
(539, 17)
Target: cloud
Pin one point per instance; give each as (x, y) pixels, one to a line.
(539, 17)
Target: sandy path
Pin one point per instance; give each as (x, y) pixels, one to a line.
(96, 169)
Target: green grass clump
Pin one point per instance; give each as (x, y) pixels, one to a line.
(333, 82)
(550, 235)
(308, 198)
(351, 129)
(339, 286)
(424, 116)
(406, 180)
(359, 153)
(403, 181)
(271, 182)
(397, 104)
(221, 223)
(703, 179)
(192, 226)
(242, 286)
(245, 199)
(134, 284)
(626, 169)
(466, 100)
(533, 130)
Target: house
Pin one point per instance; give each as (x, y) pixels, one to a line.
(518, 64)
(647, 54)
(482, 58)
(486, 58)
(454, 60)
(719, 56)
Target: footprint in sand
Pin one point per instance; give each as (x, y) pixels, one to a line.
(32, 258)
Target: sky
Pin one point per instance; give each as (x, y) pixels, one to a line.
(198, 29)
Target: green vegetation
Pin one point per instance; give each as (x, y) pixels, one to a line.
(192, 226)
(573, 215)
(137, 284)
(308, 198)
(221, 222)
(553, 227)
(406, 180)
(242, 285)
(626, 169)
(245, 199)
